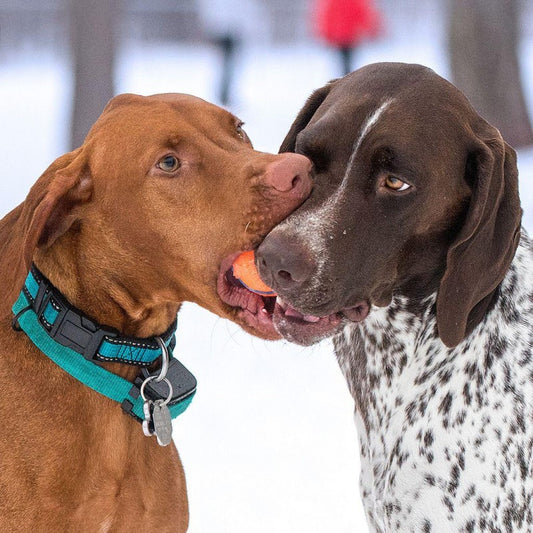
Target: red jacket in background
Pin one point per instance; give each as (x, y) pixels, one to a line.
(346, 22)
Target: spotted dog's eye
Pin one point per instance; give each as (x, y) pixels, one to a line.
(169, 163)
(395, 184)
(241, 133)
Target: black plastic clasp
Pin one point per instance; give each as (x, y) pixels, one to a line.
(78, 332)
(183, 385)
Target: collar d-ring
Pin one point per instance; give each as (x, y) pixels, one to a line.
(169, 385)
(164, 359)
(162, 373)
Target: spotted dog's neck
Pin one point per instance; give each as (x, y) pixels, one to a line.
(375, 353)
(422, 408)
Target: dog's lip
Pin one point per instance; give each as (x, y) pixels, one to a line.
(307, 329)
(304, 329)
(356, 312)
(250, 309)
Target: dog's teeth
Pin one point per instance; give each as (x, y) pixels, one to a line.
(281, 303)
(264, 311)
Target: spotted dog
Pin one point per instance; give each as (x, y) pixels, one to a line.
(410, 252)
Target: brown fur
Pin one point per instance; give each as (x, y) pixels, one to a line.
(126, 243)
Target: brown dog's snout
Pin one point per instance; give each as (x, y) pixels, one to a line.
(289, 174)
(283, 263)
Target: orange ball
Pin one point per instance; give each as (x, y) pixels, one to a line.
(244, 270)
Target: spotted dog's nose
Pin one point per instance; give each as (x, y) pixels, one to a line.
(283, 263)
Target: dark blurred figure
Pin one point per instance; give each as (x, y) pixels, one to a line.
(227, 44)
(230, 24)
(344, 24)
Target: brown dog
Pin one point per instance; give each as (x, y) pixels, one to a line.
(148, 213)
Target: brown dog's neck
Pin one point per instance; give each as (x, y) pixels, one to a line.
(107, 300)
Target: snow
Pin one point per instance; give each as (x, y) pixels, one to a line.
(269, 442)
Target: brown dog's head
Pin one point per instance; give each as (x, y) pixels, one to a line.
(414, 193)
(152, 210)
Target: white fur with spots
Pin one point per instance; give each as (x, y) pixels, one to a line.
(446, 435)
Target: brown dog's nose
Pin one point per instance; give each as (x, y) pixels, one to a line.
(289, 173)
(283, 263)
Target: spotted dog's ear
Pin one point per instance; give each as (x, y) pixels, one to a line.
(482, 252)
(304, 116)
(48, 211)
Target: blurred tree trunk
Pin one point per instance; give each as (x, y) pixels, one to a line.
(483, 41)
(93, 41)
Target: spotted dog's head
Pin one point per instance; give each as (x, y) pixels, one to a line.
(414, 193)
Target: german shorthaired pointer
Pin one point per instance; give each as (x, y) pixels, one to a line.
(410, 251)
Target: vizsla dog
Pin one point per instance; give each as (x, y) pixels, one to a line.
(148, 213)
(410, 250)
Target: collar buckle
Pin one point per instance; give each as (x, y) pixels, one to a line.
(80, 333)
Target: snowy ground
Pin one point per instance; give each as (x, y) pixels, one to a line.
(268, 444)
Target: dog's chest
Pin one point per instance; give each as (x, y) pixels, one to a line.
(446, 436)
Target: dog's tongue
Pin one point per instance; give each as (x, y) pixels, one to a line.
(288, 310)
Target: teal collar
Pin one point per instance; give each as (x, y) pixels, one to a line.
(79, 345)
(71, 328)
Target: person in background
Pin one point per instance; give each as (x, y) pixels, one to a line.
(230, 24)
(344, 24)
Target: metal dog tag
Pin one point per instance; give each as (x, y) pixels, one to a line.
(162, 423)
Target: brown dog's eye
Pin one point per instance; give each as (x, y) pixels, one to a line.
(395, 184)
(169, 163)
(241, 133)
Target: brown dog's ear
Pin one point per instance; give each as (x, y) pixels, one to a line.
(481, 254)
(48, 211)
(50, 208)
(304, 116)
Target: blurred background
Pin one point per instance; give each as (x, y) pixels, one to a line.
(269, 442)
